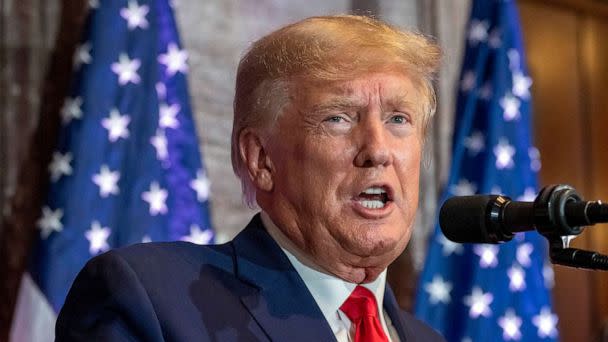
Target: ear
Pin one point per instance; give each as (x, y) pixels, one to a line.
(256, 159)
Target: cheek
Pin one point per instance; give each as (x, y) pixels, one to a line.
(408, 162)
(409, 158)
(328, 160)
(311, 171)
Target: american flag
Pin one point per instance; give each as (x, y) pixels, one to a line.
(127, 168)
(479, 292)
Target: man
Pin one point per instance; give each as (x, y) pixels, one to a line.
(330, 115)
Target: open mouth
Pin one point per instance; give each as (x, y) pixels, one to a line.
(374, 197)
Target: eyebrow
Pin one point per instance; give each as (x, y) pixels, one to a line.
(338, 103)
(341, 103)
(402, 101)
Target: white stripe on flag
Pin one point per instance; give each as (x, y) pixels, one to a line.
(34, 319)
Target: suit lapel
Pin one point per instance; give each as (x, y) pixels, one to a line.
(394, 312)
(282, 306)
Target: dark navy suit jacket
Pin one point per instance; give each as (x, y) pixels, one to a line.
(244, 290)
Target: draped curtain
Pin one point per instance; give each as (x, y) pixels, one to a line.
(37, 40)
(36, 47)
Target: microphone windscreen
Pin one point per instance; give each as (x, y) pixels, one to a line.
(464, 218)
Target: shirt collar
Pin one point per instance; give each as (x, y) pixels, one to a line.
(328, 290)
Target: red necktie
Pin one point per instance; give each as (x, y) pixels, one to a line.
(362, 311)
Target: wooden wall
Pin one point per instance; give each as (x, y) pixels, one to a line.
(567, 49)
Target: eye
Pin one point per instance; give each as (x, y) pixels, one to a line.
(336, 124)
(399, 119)
(336, 119)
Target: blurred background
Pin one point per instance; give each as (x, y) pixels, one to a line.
(566, 43)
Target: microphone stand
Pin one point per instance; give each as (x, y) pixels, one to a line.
(550, 217)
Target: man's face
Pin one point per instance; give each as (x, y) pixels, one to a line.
(346, 161)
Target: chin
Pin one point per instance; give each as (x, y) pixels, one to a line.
(371, 274)
(377, 242)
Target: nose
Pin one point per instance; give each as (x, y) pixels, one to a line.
(374, 150)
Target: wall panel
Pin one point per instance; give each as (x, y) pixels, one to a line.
(552, 35)
(594, 47)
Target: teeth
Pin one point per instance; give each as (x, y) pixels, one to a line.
(373, 204)
(374, 191)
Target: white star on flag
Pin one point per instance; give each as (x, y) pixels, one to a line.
(510, 324)
(546, 322)
(93, 4)
(449, 247)
(126, 69)
(521, 85)
(156, 198)
(529, 195)
(496, 190)
(71, 109)
(98, 238)
(167, 115)
(463, 188)
(478, 31)
(50, 222)
(198, 236)
(514, 60)
(504, 154)
(161, 90)
(495, 41)
(146, 239)
(548, 276)
(439, 290)
(479, 303)
(485, 92)
(82, 55)
(468, 81)
(510, 105)
(135, 15)
(475, 143)
(60, 165)
(534, 155)
(116, 125)
(487, 255)
(201, 185)
(523, 254)
(107, 181)
(517, 278)
(159, 141)
(175, 59)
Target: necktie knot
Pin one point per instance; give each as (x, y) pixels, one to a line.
(360, 303)
(361, 309)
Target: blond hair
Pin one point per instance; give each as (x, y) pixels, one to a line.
(323, 48)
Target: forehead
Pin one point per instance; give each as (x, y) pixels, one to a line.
(387, 87)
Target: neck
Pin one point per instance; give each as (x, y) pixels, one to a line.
(344, 271)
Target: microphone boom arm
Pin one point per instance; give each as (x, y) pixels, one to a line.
(550, 211)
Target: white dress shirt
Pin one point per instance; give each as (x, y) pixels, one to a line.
(329, 291)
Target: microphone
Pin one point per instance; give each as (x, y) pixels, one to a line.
(557, 211)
